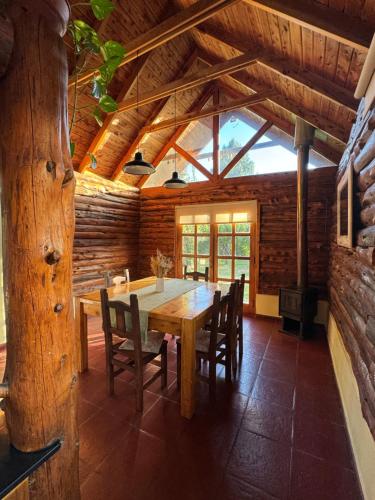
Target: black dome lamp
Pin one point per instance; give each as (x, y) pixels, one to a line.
(175, 182)
(138, 166)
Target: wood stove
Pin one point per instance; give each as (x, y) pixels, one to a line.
(298, 305)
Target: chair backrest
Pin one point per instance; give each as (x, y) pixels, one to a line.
(228, 321)
(124, 322)
(215, 322)
(196, 274)
(107, 279)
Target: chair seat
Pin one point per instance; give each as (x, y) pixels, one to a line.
(153, 343)
(202, 340)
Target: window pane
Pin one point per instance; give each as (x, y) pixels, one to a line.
(225, 268)
(197, 140)
(202, 263)
(224, 245)
(242, 246)
(225, 228)
(188, 228)
(241, 267)
(243, 227)
(236, 128)
(188, 244)
(246, 293)
(189, 262)
(203, 245)
(203, 228)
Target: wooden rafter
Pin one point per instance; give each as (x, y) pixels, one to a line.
(320, 19)
(336, 130)
(188, 82)
(180, 130)
(211, 111)
(155, 113)
(102, 132)
(287, 69)
(192, 160)
(254, 139)
(321, 147)
(168, 29)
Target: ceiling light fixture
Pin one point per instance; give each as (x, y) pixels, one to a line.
(175, 182)
(138, 166)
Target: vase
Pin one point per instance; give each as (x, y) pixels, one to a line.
(159, 285)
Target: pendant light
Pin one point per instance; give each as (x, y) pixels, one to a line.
(175, 182)
(138, 166)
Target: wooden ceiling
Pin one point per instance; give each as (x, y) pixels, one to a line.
(305, 57)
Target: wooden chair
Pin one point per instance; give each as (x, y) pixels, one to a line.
(214, 345)
(120, 280)
(130, 353)
(196, 274)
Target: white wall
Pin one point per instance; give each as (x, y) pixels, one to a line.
(362, 442)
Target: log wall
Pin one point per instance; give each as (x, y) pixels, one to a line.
(106, 232)
(352, 273)
(276, 194)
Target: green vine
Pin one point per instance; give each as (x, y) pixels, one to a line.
(109, 54)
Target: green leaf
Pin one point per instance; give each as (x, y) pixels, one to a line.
(98, 116)
(101, 8)
(107, 104)
(99, 87)
(112, 50)
(94, 163)
(86, 36)
(72, 148)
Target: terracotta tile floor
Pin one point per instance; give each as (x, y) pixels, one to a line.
(277, 432)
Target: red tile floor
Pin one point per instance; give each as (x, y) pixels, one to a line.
(276, 432)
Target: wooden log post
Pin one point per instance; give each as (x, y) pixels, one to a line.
(37, 191)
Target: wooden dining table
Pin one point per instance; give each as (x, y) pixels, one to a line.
(182, 316)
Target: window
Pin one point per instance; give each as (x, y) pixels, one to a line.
(197, 140)
(274, 152)
(195, 247)
(236, 129)
(186, 170)
(221, 237)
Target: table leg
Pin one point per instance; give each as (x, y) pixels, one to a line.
(188, 368)
(81, 334)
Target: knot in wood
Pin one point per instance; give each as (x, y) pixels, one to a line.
(69, 176)
(52, 257)
(51, 166)
(58, 308)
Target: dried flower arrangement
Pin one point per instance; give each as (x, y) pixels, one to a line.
(160, 264)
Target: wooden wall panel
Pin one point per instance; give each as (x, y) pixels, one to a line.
(352, 273)
(106, 233)
(277, 197)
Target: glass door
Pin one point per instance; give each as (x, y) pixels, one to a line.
(196, 248)
(234, 255)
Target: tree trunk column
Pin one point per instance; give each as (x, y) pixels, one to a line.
(37, 196)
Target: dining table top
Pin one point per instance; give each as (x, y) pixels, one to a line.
(188, 305)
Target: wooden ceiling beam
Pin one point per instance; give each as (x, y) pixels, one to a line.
(289, 70)
(165, 31)
(188, 82)
(210, 111)
(100, 137)
(155, 113)
(198, 104)
(321, 147)
(254, 139)
(323, 20)
(336, 130)
(192, 160)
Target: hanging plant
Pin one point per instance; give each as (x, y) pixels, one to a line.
(108, 54)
